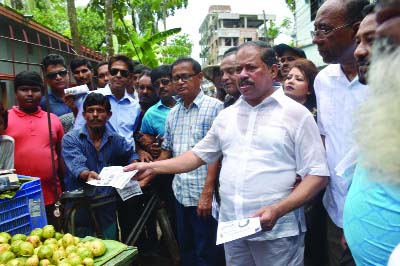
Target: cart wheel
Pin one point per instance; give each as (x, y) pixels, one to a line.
(169, 236)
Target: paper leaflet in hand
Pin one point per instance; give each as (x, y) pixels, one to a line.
(113, 176)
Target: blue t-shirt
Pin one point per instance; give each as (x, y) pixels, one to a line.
(371, 219)
(154, 120)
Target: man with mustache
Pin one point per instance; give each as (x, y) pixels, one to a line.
(82, 71)
(286, 56)
(372, 208)
(86, 151)
(266, 139)
(229, 79)
(187, 123)
(338, 92)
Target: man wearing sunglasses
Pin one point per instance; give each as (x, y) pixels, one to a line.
(57, 78)
(338, 93)
(126, 110)
(82, 71)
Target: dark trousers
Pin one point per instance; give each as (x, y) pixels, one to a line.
(196, 237)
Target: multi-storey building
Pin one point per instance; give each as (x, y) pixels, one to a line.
(222, 29)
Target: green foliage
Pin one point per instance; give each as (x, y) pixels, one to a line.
(92, 28)
(274, 30)
(146, 45)
(179, 46)
(291, 5)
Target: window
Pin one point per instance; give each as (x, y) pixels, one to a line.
(314, 6)
(228, 42)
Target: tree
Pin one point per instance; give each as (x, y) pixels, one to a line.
(291, 5)
(73, 24)
(109, 27)
(274, 30)
(180, 46)
(145, 45)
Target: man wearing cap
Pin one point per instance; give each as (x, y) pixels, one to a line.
(287, 55)
(213, 74)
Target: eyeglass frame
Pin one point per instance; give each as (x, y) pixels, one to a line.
(183, 77)
(163, 81)
(53, 75)
(124, 73)
(315, 33)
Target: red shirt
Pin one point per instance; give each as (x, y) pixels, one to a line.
(32, 153)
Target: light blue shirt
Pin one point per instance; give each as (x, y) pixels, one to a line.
(371, 219)
(154, 119)
(184, 129)
(125, 114)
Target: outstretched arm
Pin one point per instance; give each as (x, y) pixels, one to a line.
(181, 164)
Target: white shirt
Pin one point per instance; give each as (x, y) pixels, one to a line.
(337, 99)
(264, 147)
(125, 114)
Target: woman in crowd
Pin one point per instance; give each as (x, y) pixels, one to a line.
(299, 85)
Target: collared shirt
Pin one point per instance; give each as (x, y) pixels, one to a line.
(80, 154)
(57, 105)
(154, 119)
(32, 147)
(264, 147)
(60, 109)
(371, 217)
(6, 152)
(337, 99)
(125, 114)
(184, 128)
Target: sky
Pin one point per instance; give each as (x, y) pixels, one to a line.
(190, 19)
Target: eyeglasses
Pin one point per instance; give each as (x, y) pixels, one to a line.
(183, 77)
(164, 82)
(123, 72)
(53, 75)
(324, 33)
(83, 71)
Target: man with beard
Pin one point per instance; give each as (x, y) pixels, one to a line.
(86, 151)
(125, 109)
(82, 71)
(365, 38)
(372, 208)
(338, 93)
(266, 140)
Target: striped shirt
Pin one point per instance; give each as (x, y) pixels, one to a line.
(184, 129)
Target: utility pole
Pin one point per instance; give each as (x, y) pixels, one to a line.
(265, 28)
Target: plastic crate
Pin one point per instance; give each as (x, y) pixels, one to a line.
(25, 211)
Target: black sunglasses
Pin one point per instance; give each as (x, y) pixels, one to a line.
(53, 75)
(164, 82)
(123, 72)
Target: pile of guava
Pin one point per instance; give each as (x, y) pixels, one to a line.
(45, 247)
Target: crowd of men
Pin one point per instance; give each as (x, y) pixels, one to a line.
(311, 153)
